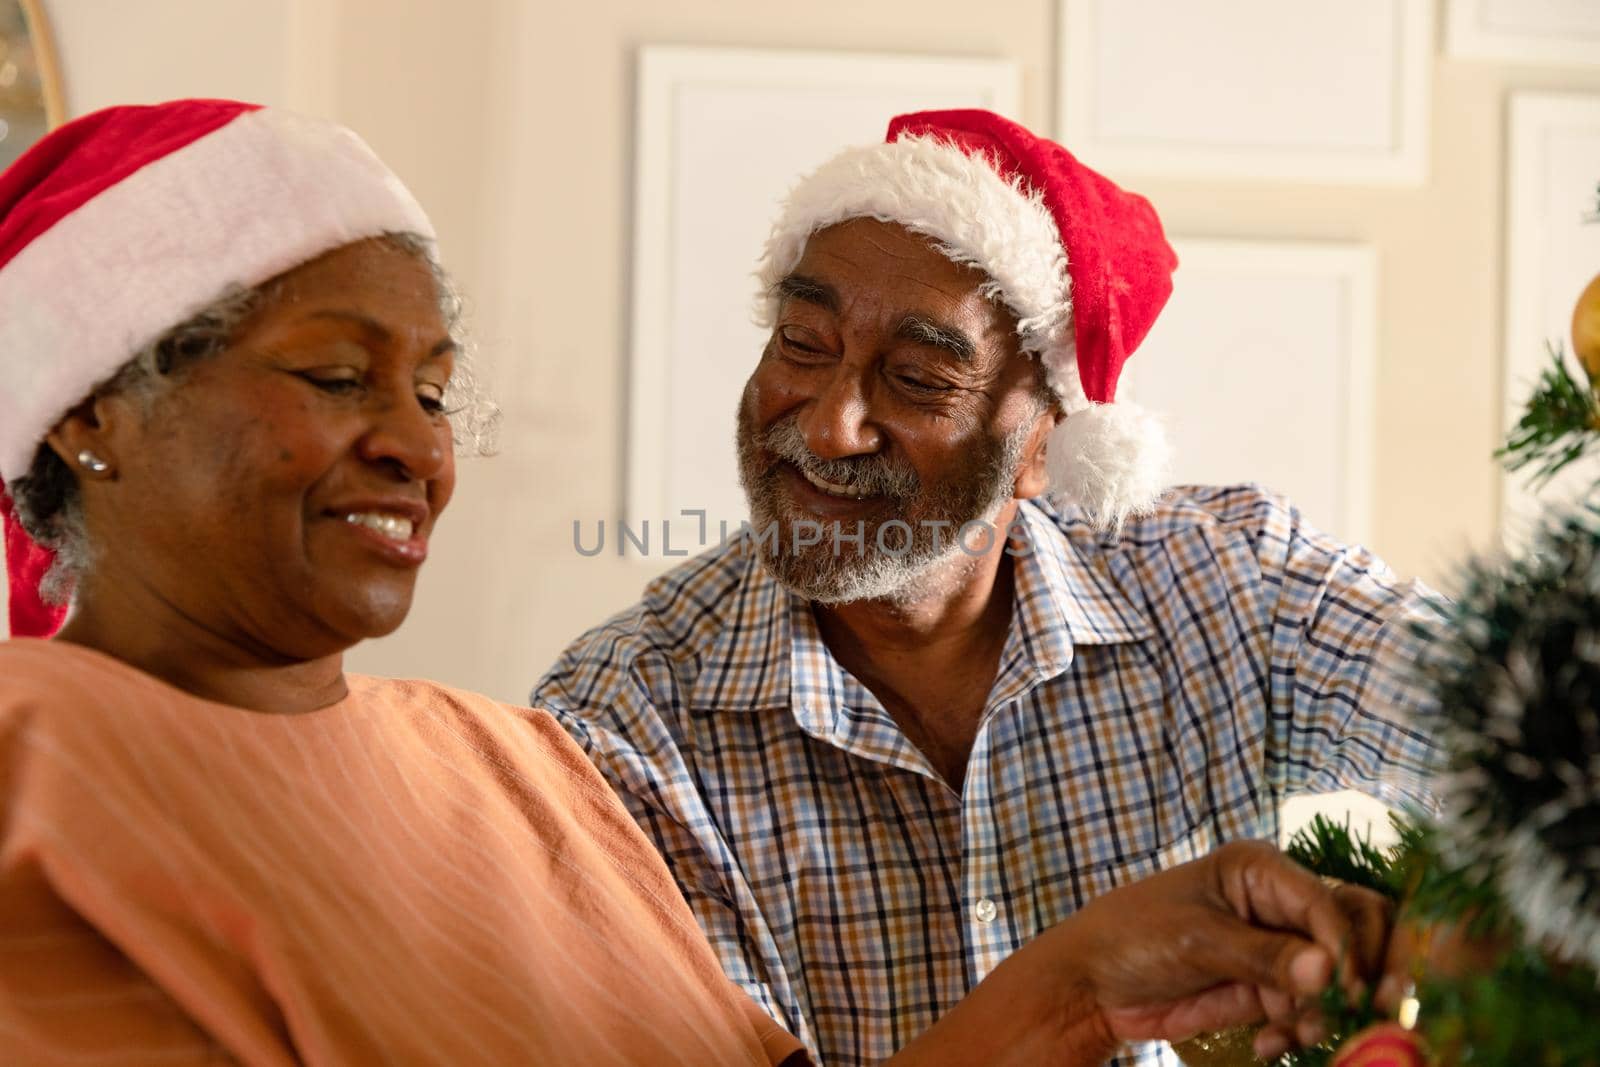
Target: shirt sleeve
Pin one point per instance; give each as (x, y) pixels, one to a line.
(1345, 705)
(630, 745)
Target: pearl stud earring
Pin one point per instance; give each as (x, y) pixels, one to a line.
(92, 463)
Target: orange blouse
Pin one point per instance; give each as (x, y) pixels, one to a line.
(412, 875)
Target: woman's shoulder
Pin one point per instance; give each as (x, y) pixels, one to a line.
(525, 745)
(491, 722)
(30, 667)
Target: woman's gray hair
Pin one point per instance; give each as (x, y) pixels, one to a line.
(46, 499)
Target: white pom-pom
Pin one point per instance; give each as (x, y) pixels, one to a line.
(1111, 460)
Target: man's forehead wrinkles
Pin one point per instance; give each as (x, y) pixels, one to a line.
(944, 289)
(883, 274)
(899, 245)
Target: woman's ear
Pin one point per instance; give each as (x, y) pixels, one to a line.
(84, 438)
(1033, 476)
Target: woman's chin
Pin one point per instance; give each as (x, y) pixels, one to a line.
(369, 612)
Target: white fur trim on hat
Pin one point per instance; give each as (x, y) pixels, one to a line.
(262, 194)
(1109, 459)
(973, 215)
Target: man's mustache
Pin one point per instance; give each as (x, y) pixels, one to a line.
(875, 475)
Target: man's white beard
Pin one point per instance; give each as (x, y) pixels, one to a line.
(837, 571)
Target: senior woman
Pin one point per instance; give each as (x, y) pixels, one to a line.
(231, 396)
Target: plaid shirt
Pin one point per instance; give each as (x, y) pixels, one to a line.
(1158, 694)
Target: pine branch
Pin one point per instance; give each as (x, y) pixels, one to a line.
(1437, 891)
(1524, 1013)
(1334, 851)
(1560, 423)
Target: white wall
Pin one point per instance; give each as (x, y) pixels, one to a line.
(115, 52)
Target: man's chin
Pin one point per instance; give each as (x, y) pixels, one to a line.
(813, 580)
(818, 574)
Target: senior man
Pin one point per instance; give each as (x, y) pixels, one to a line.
(979, 669)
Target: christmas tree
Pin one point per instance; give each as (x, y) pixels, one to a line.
(1502, 891)
(1500, 894)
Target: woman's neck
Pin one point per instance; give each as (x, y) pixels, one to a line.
(164, 642)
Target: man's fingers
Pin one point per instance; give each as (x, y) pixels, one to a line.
(1264, 886)
(1233, 950)
(1400, 959)
(1310, 1031)
(1273, 1041)
(1217, 1008)
(1370, 915)
(1309, 968)
(1278, 1004)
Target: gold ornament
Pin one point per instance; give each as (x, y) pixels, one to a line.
(1224, 1048)
(1586, 328)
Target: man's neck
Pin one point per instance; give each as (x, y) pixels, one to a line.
(932, 659)
(964, 607)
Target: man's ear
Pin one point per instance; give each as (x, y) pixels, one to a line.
(86, 437)
(1033, 477)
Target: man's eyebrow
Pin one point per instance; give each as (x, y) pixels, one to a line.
(376, 330)
(919, 329)
(799, 287)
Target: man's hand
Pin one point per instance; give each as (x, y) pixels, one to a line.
(1239, 936)
(1242, 935)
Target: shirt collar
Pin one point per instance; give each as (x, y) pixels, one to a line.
(770, 654)
(748, 666)
(1070, 588)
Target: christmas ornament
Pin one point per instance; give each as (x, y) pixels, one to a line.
(1225, 1048)
(1586, 328)
(1562, 418)
(1383, 1045)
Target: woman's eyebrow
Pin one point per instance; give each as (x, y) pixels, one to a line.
(369, 325)
(377, 331)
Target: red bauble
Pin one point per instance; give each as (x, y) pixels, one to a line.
(1383, 1045)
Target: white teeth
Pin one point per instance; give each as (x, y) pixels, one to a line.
(834, 487)
(394, 527)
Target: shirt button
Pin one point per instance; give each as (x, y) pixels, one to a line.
(984, 910)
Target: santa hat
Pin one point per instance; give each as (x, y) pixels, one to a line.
(124, 223)
(1081, 263)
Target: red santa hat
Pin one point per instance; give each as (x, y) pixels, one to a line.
(124, 223)
(1081, 263)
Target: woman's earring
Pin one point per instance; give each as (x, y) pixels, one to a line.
(92, 463)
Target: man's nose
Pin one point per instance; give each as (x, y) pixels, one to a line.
(837, 423)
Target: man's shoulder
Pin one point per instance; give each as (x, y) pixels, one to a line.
(660, 640)
(1183, 511)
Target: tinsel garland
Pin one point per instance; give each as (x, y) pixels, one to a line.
(1517, 675)
(1515, 859)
